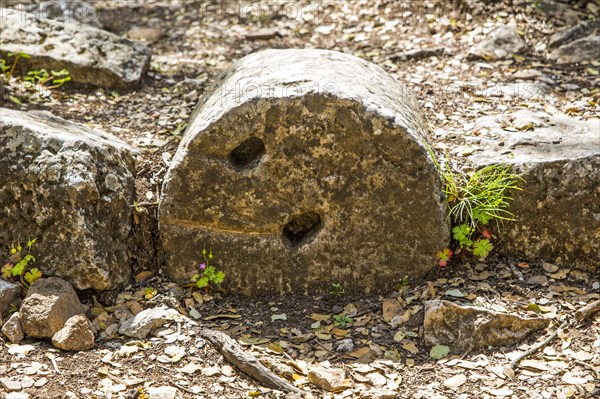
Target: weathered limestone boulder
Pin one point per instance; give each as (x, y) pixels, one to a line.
(49, 303)
(10, 294)
(70, 187)
(467, 328)
(573, 33)
(558, 209)
(502, 42)
(91, 55)
(76, 335)
(303, 168)
(581, 50)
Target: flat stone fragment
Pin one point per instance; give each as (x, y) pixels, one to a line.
(12, 329)
(467, 328)
(91, 55)
(11, 385)
(76, 335)
(332, 380)
(558, 209)
(581, 50)
(49, 303)
(164, 392)
(297, 165)
(142, 324)
(10, 294)
(70, 187)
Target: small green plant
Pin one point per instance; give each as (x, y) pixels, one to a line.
(476, 201)
(41, 77)
(342, 320)
(207, 275)
(336, 289)
(17, 265)
(11, 69)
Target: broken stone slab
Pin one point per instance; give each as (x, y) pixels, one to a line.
(70, 187)
(76, 335)
(573, 33)
(12, 329)
(332, 380)
(49, 303)
(298, 162)
(502, 42)
(558, 209)
(143, 323)
(10, 294)
(581, 50)
(468, 328)
(92, 56)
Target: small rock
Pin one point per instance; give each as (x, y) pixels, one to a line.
(418, 54)
(332, 380)
(345, 346)
(144, 34)
(41, 382)
(164, 392)
(538, 280)
(76, 335)
(12, 329)
(502, 42)
(11, 385)
(10, 294)
(582, 50)
(142, 324)
(49, 303)
(466, 328)
(550, 268)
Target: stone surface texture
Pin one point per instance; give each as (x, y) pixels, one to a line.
(76, 335)
(91, 55)
(10, 294)
(12, 329)
(502, 42)
(70, 187)
(558, 209)
(143, 323)
(49, 303)
(298, 165)
(467, 328)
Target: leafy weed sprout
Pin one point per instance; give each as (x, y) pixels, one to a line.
(475, 200)
(207, 274)
(17, 265)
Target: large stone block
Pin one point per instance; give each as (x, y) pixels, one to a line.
(303, 168)
(70, 187)
(91, 55)
(558, 209)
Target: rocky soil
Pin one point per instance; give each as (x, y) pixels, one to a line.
(460, 65)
